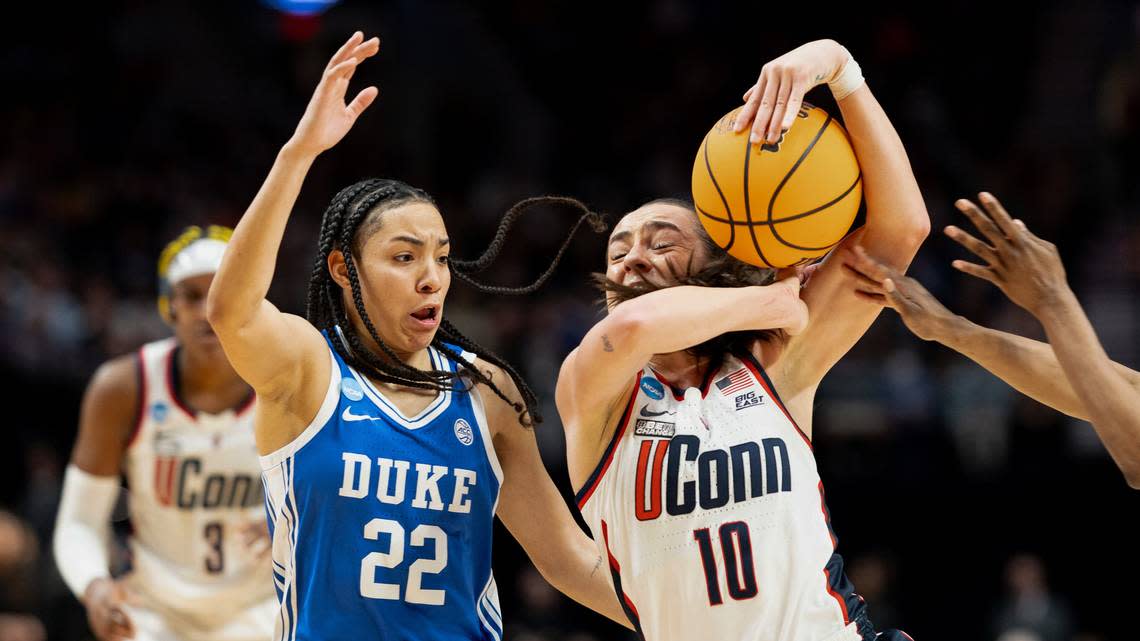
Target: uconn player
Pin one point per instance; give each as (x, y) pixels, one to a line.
(177, 422)
(688, 408)
(389, 440)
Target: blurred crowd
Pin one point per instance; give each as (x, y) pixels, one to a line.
(966, 510)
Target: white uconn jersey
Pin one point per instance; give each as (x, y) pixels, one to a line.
(194, 483)
(709, 509)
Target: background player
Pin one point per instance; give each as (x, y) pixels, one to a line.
(175, 420)
(385, 447)
(1071, 373)
(688, 410)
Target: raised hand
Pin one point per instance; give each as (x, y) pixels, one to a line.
(327, 118)
(1026, 268)
(770, 105)
(922, 313)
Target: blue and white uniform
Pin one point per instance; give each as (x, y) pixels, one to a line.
(381, 522)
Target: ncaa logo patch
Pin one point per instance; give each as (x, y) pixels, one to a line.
(463, 432)
(158, 411)
(652, 388)
(351, 389)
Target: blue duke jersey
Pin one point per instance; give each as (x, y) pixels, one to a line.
(381, 522)
(709, 509)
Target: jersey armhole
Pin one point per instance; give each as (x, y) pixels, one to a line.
(485, 435)
(140, 409)
(592, 481)
(328, 406)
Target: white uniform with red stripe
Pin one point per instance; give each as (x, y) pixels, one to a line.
(709, 509)
(195, 483)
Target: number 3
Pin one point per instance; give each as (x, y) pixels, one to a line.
(372, 589)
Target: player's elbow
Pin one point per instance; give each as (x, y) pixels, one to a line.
(627, 324)
(220, 310)
(917, 229)
(1132, 475)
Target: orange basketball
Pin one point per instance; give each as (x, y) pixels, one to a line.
(781, 204)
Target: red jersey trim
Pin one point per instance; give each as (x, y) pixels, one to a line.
(595, 477)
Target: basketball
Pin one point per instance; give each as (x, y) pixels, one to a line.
(781, 204)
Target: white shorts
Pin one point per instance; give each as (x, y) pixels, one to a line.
(155, 622)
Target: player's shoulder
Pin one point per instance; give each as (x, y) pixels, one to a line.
(117, 378)
(500, 377)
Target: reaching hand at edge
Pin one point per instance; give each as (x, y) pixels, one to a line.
(328, 118)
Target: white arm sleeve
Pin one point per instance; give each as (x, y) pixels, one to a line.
(83, 527)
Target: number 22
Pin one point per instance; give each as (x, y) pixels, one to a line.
(372, 589)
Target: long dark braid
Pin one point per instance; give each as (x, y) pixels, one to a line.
(340, 229)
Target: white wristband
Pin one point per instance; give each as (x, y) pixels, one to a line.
(849, 78)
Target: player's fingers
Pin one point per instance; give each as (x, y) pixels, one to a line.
(975, 270)
(862, 281)
(748, 94)
(975, 246)
(338, 57)
(859, 257)
(764, 109)
(998, 214)
(787, 86)
(365, 50)
(751, 104)
(983, 222)
(897, 301)
(362, 101)
(877, 299)
(794, 101)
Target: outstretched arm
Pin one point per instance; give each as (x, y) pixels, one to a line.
(897, 221)
(249, 326)
(1031, 367)
(1029, 271)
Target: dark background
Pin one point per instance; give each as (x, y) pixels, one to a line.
(965, 510)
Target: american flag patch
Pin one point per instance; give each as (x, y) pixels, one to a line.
(734, 382)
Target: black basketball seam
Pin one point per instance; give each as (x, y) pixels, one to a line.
(784, 181)
(829, 246)
(727, 209)
(776, 221)
(748, 205)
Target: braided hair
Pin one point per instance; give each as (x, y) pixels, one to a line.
(350, 219)
(721, 270)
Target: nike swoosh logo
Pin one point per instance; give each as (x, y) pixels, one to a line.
(648, 414)
(348, 416)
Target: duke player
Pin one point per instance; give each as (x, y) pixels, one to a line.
(387, 450)
(177, 422)
(688, 408)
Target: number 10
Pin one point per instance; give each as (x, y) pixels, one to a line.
(740, 572)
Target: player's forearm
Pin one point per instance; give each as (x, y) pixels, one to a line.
(584, 576)
(1112, 403)
(242, 282)
(897, 220)
(83, 528)
(678, 318)
(1026, 365)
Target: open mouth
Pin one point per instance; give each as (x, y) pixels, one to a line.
(427, 314)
